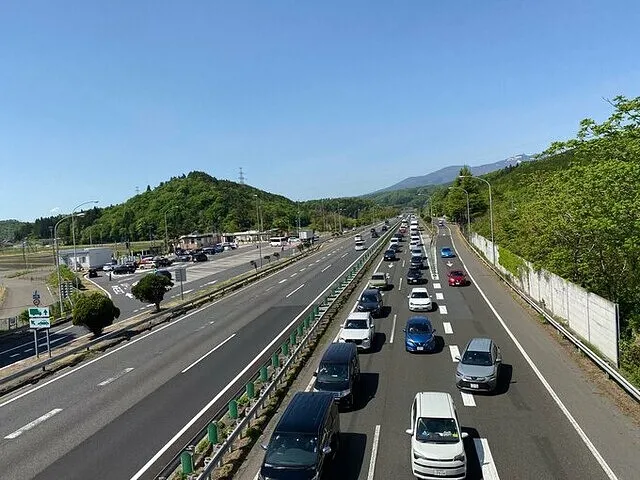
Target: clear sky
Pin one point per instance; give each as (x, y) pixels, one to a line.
(311, 98)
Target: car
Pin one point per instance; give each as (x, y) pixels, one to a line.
(358, 328)
(164, 273)
(339, 373)
(199, 257)
(417, 252)
(399, 236)
(479, 366)
(374, 234)
(419, 335)
(371, 301)
(384, 228)
(219, 248)
(390, 255)
(379, 280)
(457, 278)
(414, 275)
(108, 267)
(162, 262)
(183, 258)
(419, 300)
(416, 262)
(209, 250)
(372, 230)
(395, 247)
(446, 252)
(124, 268)
(93, 272)
(437, 442)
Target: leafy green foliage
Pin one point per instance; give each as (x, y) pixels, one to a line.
(94, 311)
(151, 289)
(8, 229)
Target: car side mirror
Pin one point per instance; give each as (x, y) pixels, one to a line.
(264, 447)
(499, 359)
(465, 435)
(404, 329)
(326, 450)
(409, 431)
(408, 296)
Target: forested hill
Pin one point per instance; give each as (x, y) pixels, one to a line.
(576, 213)
(8, 229)
(202, 203)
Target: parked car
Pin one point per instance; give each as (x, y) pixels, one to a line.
(358, 328)
(93, 272)
(419, 300)
(199, 257)
(162, 262)
(457, 278)
(164, 273)
(436, 439)
(419, 335)
(414, 276)
(124, 268)
(446, 252)
(108, 267)
(371, 301)
(479, 365)
(379, 280)
(218, 248)
(209, 250)
(390, 255)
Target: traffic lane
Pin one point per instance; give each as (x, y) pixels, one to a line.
(544, 440)
(22, 346)
(613, 434)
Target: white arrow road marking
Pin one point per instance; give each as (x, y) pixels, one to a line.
(36, 422)
(294, 291)
(129, 295)
(453, 350)
(468, 400)
(447, 328)
(115, 377)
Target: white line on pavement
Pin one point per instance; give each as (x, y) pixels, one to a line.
(268, 288)
(403, 263)
(208, 353)
(30, 425)
(14, 355)
(294, 291)
(400, 284)
(489, 470)
(437, 286)
(184, 293)
(283, 280)
(439, 296)
(468, 400)
(325, 268)
(344, 255)
(310, 384)
(393, 328)
(447, 328)
(455, 353)
(303, 269)
(293, 274)
(318, 261)
(153, 304)
(115, 377)
(58, 339)
(374, 453)
(443, 309)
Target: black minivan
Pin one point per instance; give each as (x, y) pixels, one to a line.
(305, 438)
(339, 372)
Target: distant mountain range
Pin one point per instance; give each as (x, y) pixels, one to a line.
(448, 174)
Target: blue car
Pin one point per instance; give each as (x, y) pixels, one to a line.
(419, 335)
(446, 252)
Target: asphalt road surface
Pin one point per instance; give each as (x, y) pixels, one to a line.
(107, 418)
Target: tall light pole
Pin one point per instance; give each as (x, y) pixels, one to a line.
(298, 203)
(258, 226)
(493, 243)
(73, 231)
(166, 227)
(468, 217)
(57, 262)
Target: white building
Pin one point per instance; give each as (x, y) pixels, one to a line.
(86, 258)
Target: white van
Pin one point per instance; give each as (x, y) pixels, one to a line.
(360, 245)
(437, 448)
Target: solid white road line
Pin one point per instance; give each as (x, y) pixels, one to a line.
(439, 296)
(30, 425)
(400, 284)
(283, 280)
(187, 291)
(447, 328)
(574, 423)
(453, 350)
(468, 400)
(310, 384)
(115, 377)
(437, 286)
(325, 268)
(393, 328)
(489, 470)
(443, 309)
(294, 291)
(58, 339)
(374, 453)
(208, 353)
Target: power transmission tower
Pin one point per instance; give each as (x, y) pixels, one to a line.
(242, 178)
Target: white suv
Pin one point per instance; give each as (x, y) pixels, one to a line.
(359, 329)
(437, 449)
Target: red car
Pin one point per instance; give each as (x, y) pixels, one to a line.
(457, 278)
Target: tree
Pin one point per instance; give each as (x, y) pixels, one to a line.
(151, 288)
(94, 311)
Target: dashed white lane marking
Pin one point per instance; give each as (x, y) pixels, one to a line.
(14, 355)
(403, 263)
(283, 280)
(439, 296)
(344, 255)
(443, 309)
(489, 470)
(294, 274)
(393, 328)
(310, 384)
(437, 286)
(152, 304)
(303, 269)
(294, 291)
(374, 453)
(468, 400)
(268, 288)
(400, 284)
(455, 353)
(208, 353)
(325, 268)
(318, 261)
(36, 422)
(58, 339)
(187, 291)
(115, 377)
(447, 328)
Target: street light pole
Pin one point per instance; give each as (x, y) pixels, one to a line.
(57, 262)
(468, 216)
(258, 226)
(493, 243)
(73, 232)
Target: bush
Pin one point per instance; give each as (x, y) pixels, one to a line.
(94, 311)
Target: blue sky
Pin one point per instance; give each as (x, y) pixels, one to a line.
(311, 99)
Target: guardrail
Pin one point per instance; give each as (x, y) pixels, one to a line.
(167, 315)
(266, 379)
(595, 358)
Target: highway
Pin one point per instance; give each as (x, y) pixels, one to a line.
(546, 421)
(220, 267)
(107, 418)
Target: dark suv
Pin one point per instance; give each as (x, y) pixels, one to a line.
(199, 257)
(371, 301)
(414, 275)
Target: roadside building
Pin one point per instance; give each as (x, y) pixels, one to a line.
(86, 258)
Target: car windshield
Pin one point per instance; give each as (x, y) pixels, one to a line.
(457, 273)
(437, 430)
(369, 297)
(389, 252)
(421, 328)
(446, 250)
(292, 450)
(419, 295)
(415, 272)
(333, 372)
(477, 358)
(378, 277)
(355, 324)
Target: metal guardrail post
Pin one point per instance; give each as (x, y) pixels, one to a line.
(233, 409)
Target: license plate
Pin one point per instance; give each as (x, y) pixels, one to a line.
(420, 349)
(474, 385)
(440, 473)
